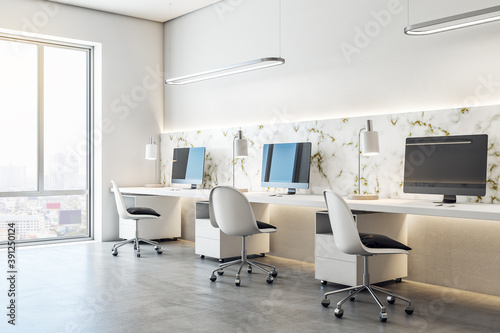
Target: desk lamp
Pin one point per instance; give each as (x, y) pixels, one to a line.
(367, 146)
(151, 154)
(240, 148)
(151, 149)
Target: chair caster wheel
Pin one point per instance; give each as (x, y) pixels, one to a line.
(409, 309)
(220, 272)
(324, 283)
(274, 273)
(249, 269)
(325, 302)
(383, 316)
(269, 279)
(262, 254)
(138, 255)
(159, 252)
(202, 256)
(338, 313)
(114, 252)
(237, 282)
(221, 260)
(398, 280)
(212, 277)
(391, 299)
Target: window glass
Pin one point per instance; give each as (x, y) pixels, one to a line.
(18, 117)
(65, 121)
(44, 126)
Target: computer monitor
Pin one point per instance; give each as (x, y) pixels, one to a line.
(448, 165)
(286, 165)
(187, 166)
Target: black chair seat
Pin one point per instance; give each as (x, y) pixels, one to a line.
(142, 211)
(377, 241)
(263, 225)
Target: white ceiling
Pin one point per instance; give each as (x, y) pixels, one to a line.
(154, 10)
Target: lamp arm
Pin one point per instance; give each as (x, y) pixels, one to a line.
(234, 139)
(359, 159)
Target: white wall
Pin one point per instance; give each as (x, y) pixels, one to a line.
(130, 103)
(388, 73)
(332, 69)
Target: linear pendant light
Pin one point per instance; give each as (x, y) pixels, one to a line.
(232, 69)
(228, 70)
(454, 22)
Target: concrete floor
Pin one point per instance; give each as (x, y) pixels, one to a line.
(81, 287)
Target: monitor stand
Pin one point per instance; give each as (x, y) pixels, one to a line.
(291, 191)
(192, 187)
(448, 199)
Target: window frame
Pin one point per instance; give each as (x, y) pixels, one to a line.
(90, 130)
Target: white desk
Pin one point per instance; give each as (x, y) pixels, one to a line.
(480, 211)
(298, 242)
(201, 194)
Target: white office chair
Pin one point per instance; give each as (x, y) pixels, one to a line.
(136, 214)
(230, 211)
(349, 241)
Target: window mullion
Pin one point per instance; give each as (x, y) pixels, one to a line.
(41, 136)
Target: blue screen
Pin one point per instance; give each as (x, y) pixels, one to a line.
(281, 168)
(286, 165)
(187, 165)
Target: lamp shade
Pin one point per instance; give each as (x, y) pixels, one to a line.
(369, 143)
(240, 145)
(240, 148)
(151, 150)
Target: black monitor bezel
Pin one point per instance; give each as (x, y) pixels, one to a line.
(188, 181)
(449, 190)
(290, 185)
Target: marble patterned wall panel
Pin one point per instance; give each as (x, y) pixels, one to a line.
(335, 149)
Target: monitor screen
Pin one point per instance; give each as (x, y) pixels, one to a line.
(187, 165)
(448, 165)
(286, 165)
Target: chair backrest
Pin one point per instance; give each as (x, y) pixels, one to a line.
(343, 225)
(120, 205)
(231, 212)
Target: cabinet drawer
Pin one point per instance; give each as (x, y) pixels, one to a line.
(336, 271)
(207, 247)
(204, 228)
(325, 247)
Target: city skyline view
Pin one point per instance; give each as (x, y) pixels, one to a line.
(44, 217)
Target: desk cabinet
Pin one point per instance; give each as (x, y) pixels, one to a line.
(335, 266)
(212, 242)
(167, 226)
